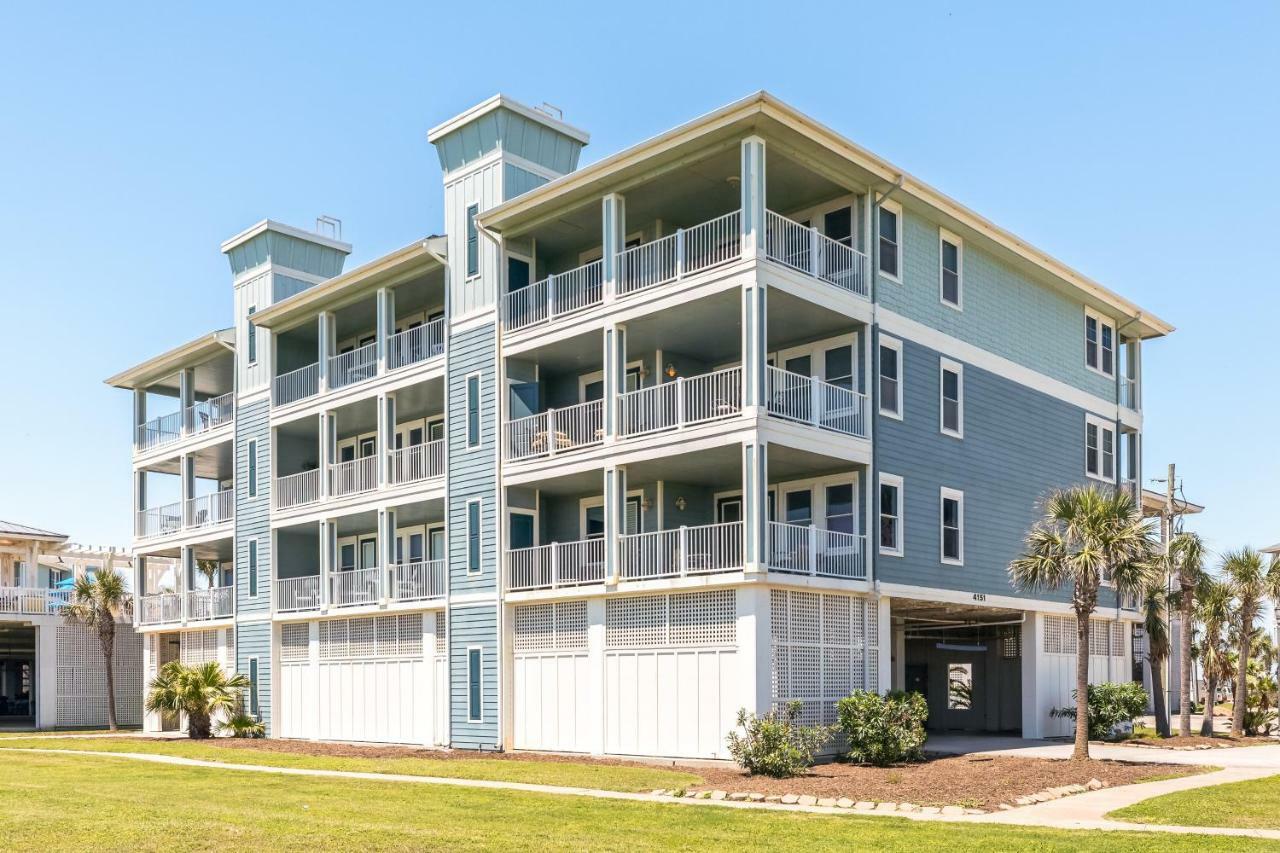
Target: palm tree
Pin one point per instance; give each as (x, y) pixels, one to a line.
(200, 692)
(1086, 537)
(1213, 609)
(1186, 560)
(1157, 631)
(97, 601)
(1247, 579)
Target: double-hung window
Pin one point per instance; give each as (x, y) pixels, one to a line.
(890, 227)
(951, 521)
(891, 514)
(473, 241)
(1100, 448)
(891, 377)
(951, 251)
(951, 393)
(1099, 343)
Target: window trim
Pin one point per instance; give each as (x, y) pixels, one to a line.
(946, 236)
(251, 567)
(896, 209)
(1102, 320)
(475, 653)
(944, 365)
(896, 345)
(255, 705)
(471, 234)
(251, 337)
(900, 548)
(1109, 426)
(251, 471)
(473, 536)
(944, 494)
(479, 380)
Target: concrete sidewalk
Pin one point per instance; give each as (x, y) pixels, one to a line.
(1238, 756)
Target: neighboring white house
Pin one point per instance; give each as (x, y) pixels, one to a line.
(51, 672)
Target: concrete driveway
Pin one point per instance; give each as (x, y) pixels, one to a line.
(1264, 757)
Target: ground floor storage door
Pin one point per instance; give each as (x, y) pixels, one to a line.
(552, 677)
(670, 674)
(366, 679)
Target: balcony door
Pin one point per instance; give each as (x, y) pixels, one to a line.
(521, 530)
(369, 553)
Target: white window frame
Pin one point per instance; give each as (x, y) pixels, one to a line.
(479, 684)
(251, 337)
(1101, 320)
(900, 548)
(251, 468)
(469, 222)
(479, 504)
(466, 417)
(253, 563)
(956, 495)
(1109, 426)
(944, 365)
(895, 345)
(947, 236)
(896, 209)
(585, 504)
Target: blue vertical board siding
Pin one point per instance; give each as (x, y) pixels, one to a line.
(472, 475)
(253, 640)
(517, 181)
(253, 514)
(286, 251)
(1019, 444)
(1005, 311)
(513, 132)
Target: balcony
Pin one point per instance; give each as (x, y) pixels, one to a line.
(417, 462)
(296, 385)
(297, 594)
(32, 601)
(816, 402)
(199, 418)
(356, 586)
(557, 565)
(420, 580)
(806, 250)
(809, 550)
(206, 511)
(197, 605)
(555, 431)
(353, 477)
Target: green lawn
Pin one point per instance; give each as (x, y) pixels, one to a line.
(55, 802)
(578, 775)
(1245, 805)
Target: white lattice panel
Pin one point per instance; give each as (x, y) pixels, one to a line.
(409, 643)
(1105, 638)
(571, 625)
(198, 647)
(370, 637)
(704, 618)
(820, 651)
(639, 622)
(442, 635)
(535, 628)
(295, 641)
(82, 680)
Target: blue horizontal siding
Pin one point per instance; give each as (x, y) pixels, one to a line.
(253, 519)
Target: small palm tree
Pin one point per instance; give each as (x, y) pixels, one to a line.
(1247, 578)
(1213, 610)
(97, 601)
(1086, 537)
(200, 692)
(1157, 631)
(1186, 563)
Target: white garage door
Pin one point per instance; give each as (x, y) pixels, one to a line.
(368, 679)
(670, 673)
(1108, 661)
(552, 681)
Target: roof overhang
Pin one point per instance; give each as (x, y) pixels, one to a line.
(271, 225)
(1153, 504)
(815, 144)
(418, 258)
(1273, 549)
(166, 364)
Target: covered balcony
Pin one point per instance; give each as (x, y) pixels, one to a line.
(191, 495)
(179, 586)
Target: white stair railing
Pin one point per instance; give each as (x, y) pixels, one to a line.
(417, 462)
(296, 385)
(685, 401)
(555, 431)
(804, 249)
(556, 565)
(358, 586)
(159, 431)
(296, 489)
(810, 400)
(807, 549)
(294, 594)
(415, 581)
(353, 476)
(554, 296)
(212, 413)
(348, 368)
(417, 344)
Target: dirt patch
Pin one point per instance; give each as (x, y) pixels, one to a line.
(976, 781)
(1219, 741)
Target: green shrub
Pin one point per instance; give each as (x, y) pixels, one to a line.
(1110, 704)
(774, 744)
(883, 730)
(243, 725)
(1259, 706)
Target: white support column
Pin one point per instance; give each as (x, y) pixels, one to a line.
(328, 545)
(596, 711)
(615, 376)
(755, 506)
(385, 321)
(755, 342)
(326, 344)
(381, 446)
(753, 196)
(613, 225)
(1032, 655)
(386, 550)
(187, 566)
(328, 443)
(387, 439)
(186, 397)
(755, 649)
(615, 518)
(139, 500)
(884, 636)
(46, 674)
(186, 486)
(899, 657)
(139, 414)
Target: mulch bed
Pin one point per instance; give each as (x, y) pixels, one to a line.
(977, 781)
(1219, 741)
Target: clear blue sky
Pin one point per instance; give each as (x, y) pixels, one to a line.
(1137, 145)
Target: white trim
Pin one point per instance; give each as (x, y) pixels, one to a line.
(896, 209)
(478, 375)
(1102, 321)
(251, 568)
(479, 569)
(520, 510)
(944, 494)
(900, 548)
(252, 474)
(1108, 426)
(587, 503)
(479, 683)
(946, 236)
(945, 365)
(896, 345)
(288, 230)
(500, 101)
(472, 221)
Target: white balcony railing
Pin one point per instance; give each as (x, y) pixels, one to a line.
(681, 254)
(804, 249)
(685, 401)
(554, 296)
(160, 608)
(159, 520)
(210, 510)
(810, 400)
(809, 550)
(556, 565)
(212, 413)
(33, 601)
(357, 586)
(416, 344)
(681, 551)
(296, 385)
(417, 462)
(296, 489)
(555, 431)
(348, 368)
(215, 603)
(418, 580)
(353, 476)
(159, 431)
(294, 594)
